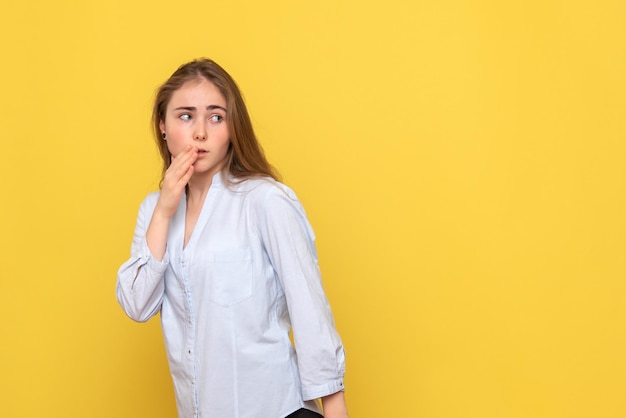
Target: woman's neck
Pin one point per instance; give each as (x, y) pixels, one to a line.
(198, 187)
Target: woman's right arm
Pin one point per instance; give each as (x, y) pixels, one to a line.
(140, 285)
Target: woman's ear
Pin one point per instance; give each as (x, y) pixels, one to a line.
(162, 129)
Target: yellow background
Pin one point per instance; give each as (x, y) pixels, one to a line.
(462, 163)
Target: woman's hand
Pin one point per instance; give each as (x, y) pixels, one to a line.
(176, 178)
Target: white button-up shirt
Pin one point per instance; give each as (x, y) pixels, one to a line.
(228, 300)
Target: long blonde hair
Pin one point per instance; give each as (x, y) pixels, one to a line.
(245, 158)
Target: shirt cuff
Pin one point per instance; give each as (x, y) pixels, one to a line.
(152, 263)
(318, 391)
(156, 265)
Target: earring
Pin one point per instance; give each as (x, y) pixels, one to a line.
(163, 135)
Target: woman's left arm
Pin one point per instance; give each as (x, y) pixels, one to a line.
(289, 241)
(335, 406)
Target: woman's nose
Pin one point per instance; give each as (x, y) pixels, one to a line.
(200, 133)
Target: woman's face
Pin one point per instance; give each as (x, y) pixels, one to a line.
(196, 116)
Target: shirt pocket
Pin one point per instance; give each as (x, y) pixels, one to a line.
(231, 279)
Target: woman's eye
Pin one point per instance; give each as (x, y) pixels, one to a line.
(185, 116)
(216, 118)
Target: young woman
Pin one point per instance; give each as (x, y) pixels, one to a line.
(225, 254)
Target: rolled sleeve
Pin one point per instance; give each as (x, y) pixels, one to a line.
(140, 285)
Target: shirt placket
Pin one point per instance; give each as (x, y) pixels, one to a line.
(190, 325)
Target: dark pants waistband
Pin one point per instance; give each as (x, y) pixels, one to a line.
(304, 413)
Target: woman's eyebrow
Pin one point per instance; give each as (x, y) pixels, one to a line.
(193, 108)
(213, 107)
